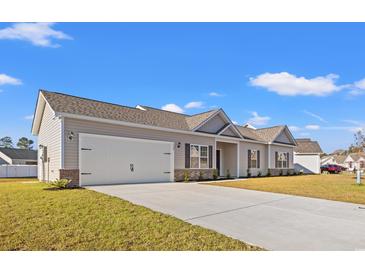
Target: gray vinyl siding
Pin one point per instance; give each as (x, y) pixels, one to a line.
(50, 136)
(278, 148)
(71, 149)
(244, 147)
(213, 125)
(283, 138)
(229, 132)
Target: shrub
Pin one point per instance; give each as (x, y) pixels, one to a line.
(248, 173)
(301, 172)
(281, 172)
(259, 174)
(60, 183)
(186, 176)
(215, 174)
(228, 174)
(268, 173)
(200, 176)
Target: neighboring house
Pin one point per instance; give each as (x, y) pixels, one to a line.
(307, 156)
(333, 159)
(350, 162)
(355, 161)
(15, 156)
(93, 142)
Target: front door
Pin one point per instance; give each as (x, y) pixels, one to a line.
(218, 159)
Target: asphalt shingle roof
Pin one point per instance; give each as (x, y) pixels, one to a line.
(145, 115)
(15, 153)
(306, 145)
(149, 116)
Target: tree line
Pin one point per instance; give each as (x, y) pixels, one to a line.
(23, 143)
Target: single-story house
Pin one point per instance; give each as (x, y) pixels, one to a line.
(333, 159)
(355, 161)
(93, 142)
(307, 156)
(350, 161)
(15, 156)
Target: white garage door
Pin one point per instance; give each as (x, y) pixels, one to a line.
(116, 160)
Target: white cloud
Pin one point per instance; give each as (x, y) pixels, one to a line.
(354, 122)
(294, 128)
(215, 94)
(39, 34)
(360, 84)
(173, 108)
(258, 120)
(315, 116)
(284, 83)
(194, 105)
(29, 117)
(8, 80)
(312, 127)
(235, 122)
(356, 92)
(303, 134)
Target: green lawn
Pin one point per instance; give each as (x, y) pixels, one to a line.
(32, 217)
(339, 187)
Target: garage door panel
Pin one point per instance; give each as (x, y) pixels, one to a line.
(113, 160)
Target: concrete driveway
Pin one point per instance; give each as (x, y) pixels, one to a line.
(273, 221)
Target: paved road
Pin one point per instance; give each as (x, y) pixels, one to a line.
(273, 221)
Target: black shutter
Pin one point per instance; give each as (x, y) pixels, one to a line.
(258, 159)
(249, 158)
(287, 159)
(276, 159)
(210, 156)
(187, 155)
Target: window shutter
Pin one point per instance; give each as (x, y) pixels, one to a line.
(249, 158)
(287, 160)
(276, 159)
(187, 155)
(210, 156)
(258, 159)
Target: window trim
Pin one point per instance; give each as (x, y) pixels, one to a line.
(256, 161)
(204, 157)
(280, 163)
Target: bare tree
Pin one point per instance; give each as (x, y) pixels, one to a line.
(359, 144)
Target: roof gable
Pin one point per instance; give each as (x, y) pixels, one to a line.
(217, 123)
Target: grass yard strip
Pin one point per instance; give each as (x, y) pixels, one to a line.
(34, 218)
(340, 187)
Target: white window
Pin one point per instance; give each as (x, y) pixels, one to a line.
(254, 158)
(282, 160)
(199, 156)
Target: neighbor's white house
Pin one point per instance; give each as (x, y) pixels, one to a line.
(307, 156)
(350, 161)
(93, 142)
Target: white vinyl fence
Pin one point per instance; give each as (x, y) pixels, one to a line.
(17, 171)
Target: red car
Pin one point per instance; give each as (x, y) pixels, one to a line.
(333, 169)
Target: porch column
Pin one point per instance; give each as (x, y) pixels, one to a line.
(268, 156)
(238, 159)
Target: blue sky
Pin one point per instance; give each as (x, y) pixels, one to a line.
(308, 76)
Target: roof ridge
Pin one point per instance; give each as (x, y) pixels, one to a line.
(270, 127)
(216, 109)
(84, 98)
(183, 114)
